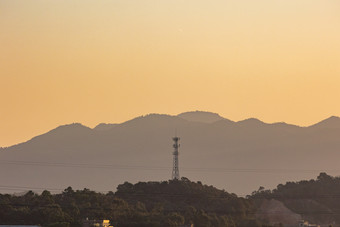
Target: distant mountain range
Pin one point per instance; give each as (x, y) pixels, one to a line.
(237, 156)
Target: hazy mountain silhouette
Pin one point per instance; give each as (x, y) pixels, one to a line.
(238, 156)
(332, 122)
(201, 116)
(104, 127)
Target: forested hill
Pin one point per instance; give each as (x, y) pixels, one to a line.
(315, 200)
(168, 203)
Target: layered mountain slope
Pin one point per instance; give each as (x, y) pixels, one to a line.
(237, 156)
(201, 116)
(331, 122)
(104, 127)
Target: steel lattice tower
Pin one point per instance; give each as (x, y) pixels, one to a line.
(175, 170)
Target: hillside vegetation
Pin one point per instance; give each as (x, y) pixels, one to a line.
(167, 203)
(315, 200)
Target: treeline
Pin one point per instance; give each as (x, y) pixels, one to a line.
(316, 200)
(167, 203)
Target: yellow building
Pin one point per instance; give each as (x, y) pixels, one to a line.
(96, 223)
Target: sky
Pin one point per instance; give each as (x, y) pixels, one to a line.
(109, 61)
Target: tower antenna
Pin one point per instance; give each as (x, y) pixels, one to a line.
(175, 169)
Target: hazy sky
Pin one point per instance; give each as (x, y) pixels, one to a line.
(66, 61)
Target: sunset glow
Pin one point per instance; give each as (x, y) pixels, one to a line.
(109, 61)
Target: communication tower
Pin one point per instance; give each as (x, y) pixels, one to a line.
(175, 170)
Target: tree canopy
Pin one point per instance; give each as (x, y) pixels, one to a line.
(167, 203)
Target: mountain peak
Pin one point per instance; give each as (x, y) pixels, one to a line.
(200, 116)
(251, 122)
(72, 125)
(69, 129)
(331, 122)
(333, 118)
(104, 127)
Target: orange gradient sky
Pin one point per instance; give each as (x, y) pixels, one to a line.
(107, 61)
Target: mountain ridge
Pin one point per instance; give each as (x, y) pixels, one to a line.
(200, 116)
(331, 122)
(141, 149)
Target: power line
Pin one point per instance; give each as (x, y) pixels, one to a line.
(162, 168)
(83, 165)
(7, 187)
